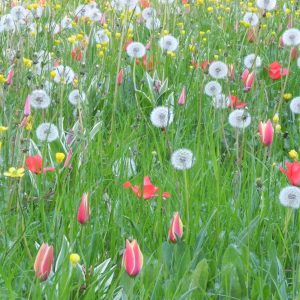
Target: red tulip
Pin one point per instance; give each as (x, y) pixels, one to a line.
(276, 71)
(43, 262)
(182, 97)
(266, 132)
(35, 165)
(132, 258)
(176, 228)
(292, 172)
(77, 54)
(235, 102)
(248, 79)
(83, 214)
(148, 191)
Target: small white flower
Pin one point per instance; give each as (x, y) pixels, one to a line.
(291, 37)
(212, 88)
(148, 13)
(39, 99)
(295, 105)
(136, 50)
(266, 4)
(161, 116)
(101, 36)
(125, 166)
(251, 18)
(290, 197)
(168, 43)
(251, 60)
(152, 24)
(182, 159)
(47, 132)
(221, 101)
(218, 70)
(76, 97)
(64, 74)
(239, 118)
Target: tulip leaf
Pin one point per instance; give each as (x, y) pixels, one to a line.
(199, 276)
(64, 250)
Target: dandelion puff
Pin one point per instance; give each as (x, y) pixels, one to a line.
(266, 4)
(251, 18)
(152, 24)
(66, 23)
(212, 88)
(101, 36)
(182, 159)
(7, 23)
(291, 37)
(148, 13)
(239, 118)
(76, 97)
(39, 99)
(218, 70)
(47, 132)
(64, 74)
(221, 101)
(161, 116)
(295, 105)
(136, 50)
(168, 43)
(251, 60)
(95, 15)
(82, 10)
(290, 197)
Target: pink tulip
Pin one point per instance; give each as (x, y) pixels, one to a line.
(10, 76)
(176, 228)
(67, 163)
(266, 132)
(132, 258)
(120, 77)
(181, 100)
(27, 107)
(43, 262)
(248, 79)
(83, 214)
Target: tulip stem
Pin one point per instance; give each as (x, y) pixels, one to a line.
(187, 203)
(262, 206)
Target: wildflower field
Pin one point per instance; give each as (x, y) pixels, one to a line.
(149, 149)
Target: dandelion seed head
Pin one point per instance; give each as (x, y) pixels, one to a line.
(182, 159)
(239, 118)
(47, 132)
(161, 116)
(290, 197)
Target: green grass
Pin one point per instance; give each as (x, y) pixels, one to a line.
(235, 245)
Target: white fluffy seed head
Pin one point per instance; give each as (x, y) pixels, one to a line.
(252, 60)
(251, 18)
(182, 159)
(161, 116)
(218, 70)
(291, 37)
(221, 101)
(136, 50)
(290, 197)
(168, 43)
(76, 97)
(39, 99)
(266, 4)
(64, 74)
(47, 132)
(239, 118)
(212, 88)
(295, 105)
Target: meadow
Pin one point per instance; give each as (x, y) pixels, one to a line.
(149, 149)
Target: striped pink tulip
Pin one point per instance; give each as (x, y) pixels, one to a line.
(176, 228)
(182, 97)
(248, 79)
(83, 214)
(132, 258)
(43, 262)
(266, 132)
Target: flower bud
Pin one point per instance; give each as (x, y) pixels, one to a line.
(43, 262)
(83, 214)
(132, 258)
(176, 228)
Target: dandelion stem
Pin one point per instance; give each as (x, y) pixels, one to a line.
(187, 203)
